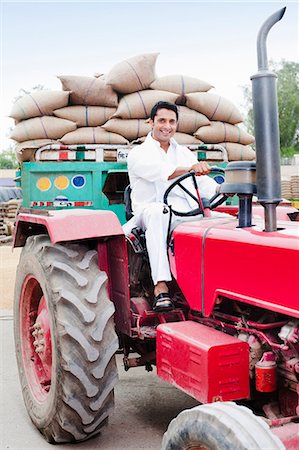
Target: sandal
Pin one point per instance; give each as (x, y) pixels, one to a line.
(162, 302)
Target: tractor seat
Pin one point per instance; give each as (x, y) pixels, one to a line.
(137, 236)
(128, 203)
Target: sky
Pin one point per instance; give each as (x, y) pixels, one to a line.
(213, 41)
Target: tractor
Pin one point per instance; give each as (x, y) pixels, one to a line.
(83, 291)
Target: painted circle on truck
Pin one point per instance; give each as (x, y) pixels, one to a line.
(61, 182)
(78, 181)
(219, 179)
(43, 184)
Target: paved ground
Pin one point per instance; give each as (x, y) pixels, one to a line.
(144, 404)
(144, 407)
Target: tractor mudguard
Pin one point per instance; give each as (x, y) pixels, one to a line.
(66, 225)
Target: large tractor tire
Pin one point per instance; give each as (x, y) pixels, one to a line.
(219, 426)
(65, 339)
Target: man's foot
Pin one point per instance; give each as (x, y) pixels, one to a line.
(162, 302)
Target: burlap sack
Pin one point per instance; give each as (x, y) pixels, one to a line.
(42, 128)
(238, 152)
(89, 91)
(180, 84)
(25, 151)
(223, 132)
(190, 120)
(139, 104)
(186, 139)
(214, 107)
(129, 128)
(36, 104)
(133, 74)
(92, 135)
(86, 116)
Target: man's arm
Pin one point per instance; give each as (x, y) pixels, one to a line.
(200, 168)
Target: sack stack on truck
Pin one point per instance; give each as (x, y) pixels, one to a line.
(114, 108)
(8, 214)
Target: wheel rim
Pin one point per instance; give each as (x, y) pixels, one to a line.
(35, 335)
(198, 448)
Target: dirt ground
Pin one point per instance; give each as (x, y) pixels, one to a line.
(9, 259)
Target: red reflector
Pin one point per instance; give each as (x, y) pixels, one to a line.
(63, 155)
(203, 362)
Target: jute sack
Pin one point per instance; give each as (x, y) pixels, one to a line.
(180, 84)
(190, 120)
(129, 128)
(238, 152)
(89, 91)
(36, 104)
(223, 132)
(45, 127)
(25, 151)
(133, 74)
(186, 139)
(214, 107)
(86, 116)
(92, 135)
(139, 104)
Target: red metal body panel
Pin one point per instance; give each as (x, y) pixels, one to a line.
(205, 363)
(288, 434)
(282, 211)
(70, 225)
(213, 257)
(113, 259)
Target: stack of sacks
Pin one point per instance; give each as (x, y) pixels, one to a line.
(35, 124)
(8, 213)
(135, 106)
(286, 190)
(92, 103)
(223, 128)
(295, 186)
(114, 108)
(99, 100)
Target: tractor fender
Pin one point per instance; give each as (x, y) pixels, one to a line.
(66, 225)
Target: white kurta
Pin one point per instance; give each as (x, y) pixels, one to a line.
(149, 167)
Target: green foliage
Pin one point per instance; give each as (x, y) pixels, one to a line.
(288, 105)
(8, 159)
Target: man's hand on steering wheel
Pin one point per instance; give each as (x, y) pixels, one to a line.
(200, 168)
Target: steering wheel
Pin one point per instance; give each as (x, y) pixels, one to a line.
(197, 199)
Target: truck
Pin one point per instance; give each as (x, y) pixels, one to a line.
(83, 291)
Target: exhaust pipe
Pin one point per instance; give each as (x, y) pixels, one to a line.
(266, 125)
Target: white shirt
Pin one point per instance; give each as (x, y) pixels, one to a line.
(149, 167)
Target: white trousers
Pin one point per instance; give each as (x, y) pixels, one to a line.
(154, 220)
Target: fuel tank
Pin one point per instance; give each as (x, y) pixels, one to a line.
(213, 258)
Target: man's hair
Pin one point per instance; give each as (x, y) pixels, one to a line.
(164, 105)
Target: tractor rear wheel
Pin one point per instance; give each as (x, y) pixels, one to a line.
(65, 339)
(219, 426)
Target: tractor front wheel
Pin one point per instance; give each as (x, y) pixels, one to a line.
(65, 339)
(219, 426)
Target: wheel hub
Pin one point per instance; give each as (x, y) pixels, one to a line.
(36, 338)
(42, 337)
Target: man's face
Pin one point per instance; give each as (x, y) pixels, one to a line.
(164, 125)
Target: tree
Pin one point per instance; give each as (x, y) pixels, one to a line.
(8, 159)
(288, 105)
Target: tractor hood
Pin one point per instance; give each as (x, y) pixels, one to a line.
(213, 258)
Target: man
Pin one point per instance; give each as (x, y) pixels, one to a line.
(152, 167)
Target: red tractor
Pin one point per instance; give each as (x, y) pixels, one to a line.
(232, 342)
